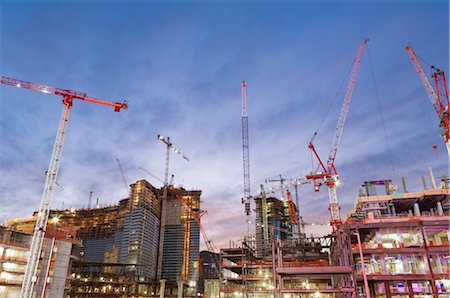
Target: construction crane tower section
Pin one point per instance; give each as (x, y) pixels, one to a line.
(438, 97)
(68, 96)
(329, 174)
(246, 155)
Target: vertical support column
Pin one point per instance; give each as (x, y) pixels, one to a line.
(404, 185)
(180, 284)
(361, 255)
(439, 208)
(424, 183)
(383, 264)
(378, 237)
(387, 289)
(401, 241)
(430, 268)
(274, 264)
(410, 290)
(162, 288)
(433, 182)
(416, 209)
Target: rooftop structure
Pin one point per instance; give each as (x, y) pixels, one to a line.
(404, 243)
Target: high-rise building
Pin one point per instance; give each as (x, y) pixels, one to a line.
(140, 234)
(272, 216)
(181, 240)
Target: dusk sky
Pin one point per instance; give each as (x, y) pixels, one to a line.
(180, 64)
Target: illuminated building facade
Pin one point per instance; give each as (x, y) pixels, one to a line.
(279, 223)
(181, 242)
(52, 274)
(404, 241)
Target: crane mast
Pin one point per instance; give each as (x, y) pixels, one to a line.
(246, 156)
(329, 175)
(169, 146)
(68, 96)
(439, 97)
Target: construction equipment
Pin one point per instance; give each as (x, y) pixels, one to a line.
(438, 95)
(156, 177)
(263, 195)
(169, 146)
(246, 156)
(125, 183)
(328, 174)
(68, 97)
(281, 180)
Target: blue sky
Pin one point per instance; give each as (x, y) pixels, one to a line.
(181, 63)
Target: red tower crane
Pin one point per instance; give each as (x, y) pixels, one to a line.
(68, 97)
(328, 174)
(438, 95)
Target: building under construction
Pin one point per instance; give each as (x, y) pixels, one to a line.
(400, 241)
(118, 255)
(273, 219)
(56, 260)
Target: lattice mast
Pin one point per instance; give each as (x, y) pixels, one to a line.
(438, 96)
(68, 96)
(329, 174)
(169, 146)
(246, 157)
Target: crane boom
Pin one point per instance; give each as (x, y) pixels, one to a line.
(432, 95)
(344, 111)
(438, 96)
(68, 96)
(62, 92)
(329, 176)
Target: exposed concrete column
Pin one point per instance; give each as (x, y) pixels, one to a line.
(401, 241)
(162, 288)
(378, 238)
(406, 268)
(439, 210)
(416, 209)
(433, 182)
(437, 261)
(383, 264)
(180, 288)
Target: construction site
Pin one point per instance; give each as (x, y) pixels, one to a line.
(394, 242)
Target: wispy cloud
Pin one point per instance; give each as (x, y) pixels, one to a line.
(181, 67)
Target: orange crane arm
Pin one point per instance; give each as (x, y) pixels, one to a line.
(62, 92)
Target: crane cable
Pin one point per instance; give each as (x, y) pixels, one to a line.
(380, 110)
(328, 112)
(333, 101)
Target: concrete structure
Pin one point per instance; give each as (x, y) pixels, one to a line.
(298, 268)
(404, 243)
(181, 244)
(118, 254)
(208, 282)
(272, 216)
(52, 271)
